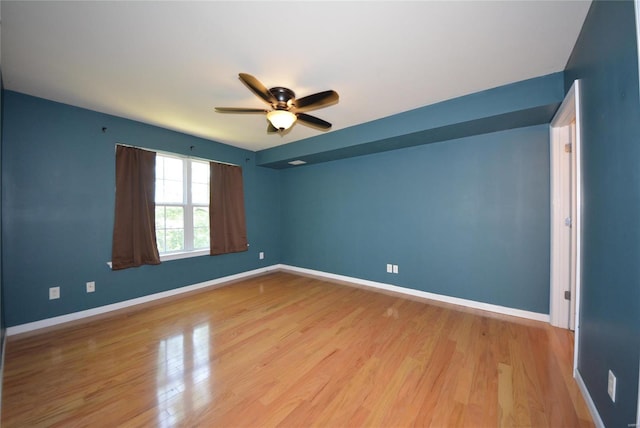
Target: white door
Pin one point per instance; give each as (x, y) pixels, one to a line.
(572, 209)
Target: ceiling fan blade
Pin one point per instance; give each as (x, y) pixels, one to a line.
(258, 88)
(313, 121)
(240, 110)
(318, 100)
(271, 129)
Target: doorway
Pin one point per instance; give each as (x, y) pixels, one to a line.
(564, 307)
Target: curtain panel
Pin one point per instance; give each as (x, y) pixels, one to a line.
(134, 230)
(228, 231)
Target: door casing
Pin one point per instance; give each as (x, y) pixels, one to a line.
(565, 254)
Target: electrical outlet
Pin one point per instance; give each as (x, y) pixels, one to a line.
(261, 255)
(395, 268)
(54, 293)
(389, 268)
(611, 386)
(91, 286)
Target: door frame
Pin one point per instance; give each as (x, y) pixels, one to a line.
(560, 269)
(637, 8)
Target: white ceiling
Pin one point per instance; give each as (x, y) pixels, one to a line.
(170, 63)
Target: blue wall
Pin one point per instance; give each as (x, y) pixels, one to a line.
(605, 58)
(467, 218)
(58, 202)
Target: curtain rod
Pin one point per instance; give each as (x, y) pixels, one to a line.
(174, 154)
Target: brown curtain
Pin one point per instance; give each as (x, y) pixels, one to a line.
(227, 227)
(134, 229)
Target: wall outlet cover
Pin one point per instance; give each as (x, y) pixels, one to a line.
(611, 386)
(54, 293)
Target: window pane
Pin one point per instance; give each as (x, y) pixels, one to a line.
(159, 167)
(161, 241)
(200, 227)
(169, 228)
(169, 176)
(201, 217)
(200, 193)
(169, 191)
(201, 237)
(172, 169)
(200, 172)
(160, 218)
(174, 239)
(174, 218)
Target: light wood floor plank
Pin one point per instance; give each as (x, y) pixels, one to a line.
(290, 350)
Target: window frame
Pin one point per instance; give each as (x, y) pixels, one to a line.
(188, 208)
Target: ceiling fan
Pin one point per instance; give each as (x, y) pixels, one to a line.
(285, 108)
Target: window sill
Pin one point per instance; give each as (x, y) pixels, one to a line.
(177, 256)
(185, 255)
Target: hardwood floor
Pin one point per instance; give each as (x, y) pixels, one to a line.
(288, 350)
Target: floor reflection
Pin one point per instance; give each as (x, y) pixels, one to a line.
(182, 384)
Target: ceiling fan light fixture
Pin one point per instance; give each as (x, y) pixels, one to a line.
(281, 119)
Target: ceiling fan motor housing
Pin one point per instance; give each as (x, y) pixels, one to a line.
(285, 97)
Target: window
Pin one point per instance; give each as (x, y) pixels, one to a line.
(182, 205)
(195, 202)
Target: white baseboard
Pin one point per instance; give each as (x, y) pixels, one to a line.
(422, 294)
(587, 398)
(49, 322)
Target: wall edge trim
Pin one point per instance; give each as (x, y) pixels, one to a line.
(74, 316)
(520, 313)
(587, 398)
